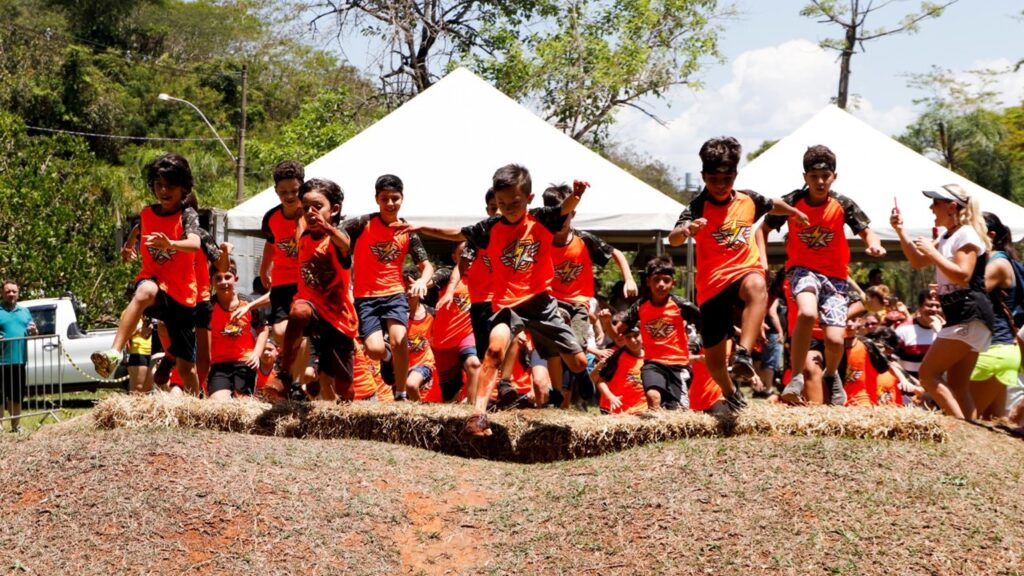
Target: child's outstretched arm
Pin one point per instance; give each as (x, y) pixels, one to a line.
(782, 208)
(570, 203)
(874, 243)
(629, 289)
(452, 234)
(128, 251)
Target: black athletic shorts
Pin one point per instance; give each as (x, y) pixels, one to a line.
(335, 352)
(281, 302)
(480, 317)
(138, 359)
(180, 322)
(12, 383)
(204, 314)
(579, 320)
(237, 377)
(669, 381)
(720, 314)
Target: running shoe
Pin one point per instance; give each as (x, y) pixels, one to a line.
(741, 367)
(793, 394)
(106, 362)
(507, 395)
(736, 401)
(477, 425)
(162, 372)
(835, 383)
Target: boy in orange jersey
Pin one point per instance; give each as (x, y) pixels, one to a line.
(282, 224)
(166, 285)
(323, 302)
(573, 255)
(730, 275)
(453, 341)
(519, 246)
(619, 378)
(379, 250)
(817, 262)
(421, 383)
(236, 346)
(662, 318)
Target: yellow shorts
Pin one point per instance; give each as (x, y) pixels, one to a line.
(1001, 361)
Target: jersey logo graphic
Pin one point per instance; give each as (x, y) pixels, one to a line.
(161, 255)
(233, 329)
(568, 271)
(733, 235)
(520, 255)
(461, 302)
(487, 262)
(816, 237)
(418, 343)
(317, 272)
(659, 328)
(854, 376)
(386, 251)
(634, 380)
(288, 247)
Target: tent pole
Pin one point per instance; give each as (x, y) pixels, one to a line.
(659, 244)
(689, 269)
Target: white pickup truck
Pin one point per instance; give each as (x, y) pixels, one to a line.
(46, 364)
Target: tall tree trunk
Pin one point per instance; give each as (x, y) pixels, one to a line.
(844, 63)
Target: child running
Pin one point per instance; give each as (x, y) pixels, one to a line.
(619, 377)
(236, 345)
(379, 251)
(730, 275)
(519, 246)
(282, 224)
(817, 263)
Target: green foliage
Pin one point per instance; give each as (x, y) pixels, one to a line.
(60, 218)
(761, 149)
(659, 175)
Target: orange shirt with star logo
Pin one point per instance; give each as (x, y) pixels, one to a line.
(420, 332)
(173, 271)
(280, 232)
(325, 281)
(479, 274)
(366, 379)
(574, 266)
(662, 329)
(820, 246)
(622, 374)
(520, 253)
(452, 322)
(856, 381)
(725, 247)
(379, 253)
(231, 341)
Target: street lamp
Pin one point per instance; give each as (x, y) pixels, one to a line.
(238, 160)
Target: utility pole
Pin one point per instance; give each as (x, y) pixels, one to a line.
(240, 162)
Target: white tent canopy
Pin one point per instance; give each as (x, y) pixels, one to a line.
(447, 142)
(873, 170)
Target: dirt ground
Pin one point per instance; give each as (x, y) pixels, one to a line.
(74, 500)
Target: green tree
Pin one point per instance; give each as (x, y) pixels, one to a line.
(761, 149)
(654, 172)
(851, 17)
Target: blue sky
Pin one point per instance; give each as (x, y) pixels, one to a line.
(775, 77)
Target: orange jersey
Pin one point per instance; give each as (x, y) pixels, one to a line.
(173, 271)
(622, 374)
(280, 232)
(574, 266)
(522, 372)
(420, 332)
(203, 283)
(366, 378)
(452, 323)
(262, 379)
(857, 375)
(726, 250)
(479, 275)
(230, 341)
(704, 391)
(662, 329)
(887, 389)
(324, 282)
(379, 253)
(820, 246)
(520, 253)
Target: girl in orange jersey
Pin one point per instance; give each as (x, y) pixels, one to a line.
(618, 377)
(236, 345)
(166, 285)
(421, 383)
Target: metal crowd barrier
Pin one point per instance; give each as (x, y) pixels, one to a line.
(35, 388)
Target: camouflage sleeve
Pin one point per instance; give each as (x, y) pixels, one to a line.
(550, 217)
(777, 221)
(855, 218)
(599, 250)
(479, 234)
(416, 249)
(268, 234)
(762, 205)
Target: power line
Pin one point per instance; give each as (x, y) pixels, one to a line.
(119, 136)
(126, 55)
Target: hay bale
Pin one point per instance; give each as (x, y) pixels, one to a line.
(526, 436)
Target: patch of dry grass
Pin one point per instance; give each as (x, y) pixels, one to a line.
(519, 436)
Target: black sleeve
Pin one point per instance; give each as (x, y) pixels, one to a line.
(479, 234)
(855, 218)
(265, 227)
(611, 365)
(777, 221)
(441, 277)
(355, 226)
(632, 315)
(689, 311)
(469, 252)
(693, 211)
(762, 205)
(257, 316)
(599, 250)
(550, 217)
(416, 249)
(209, 247)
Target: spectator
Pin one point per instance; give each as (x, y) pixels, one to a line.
(15, 323)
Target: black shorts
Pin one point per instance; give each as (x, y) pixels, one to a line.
(180, 322)
(138, 359)
(720, 314)
(335, 352)
(667, 380)
(374, 311)
(12, 383)
(237, 377)
(551, 335)
(480, 317)
(204, 314)
(281, 302)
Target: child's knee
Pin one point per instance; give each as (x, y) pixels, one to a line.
(471, 364)
(577, 362)
(300, 312)
(146, 293)
(653, 398)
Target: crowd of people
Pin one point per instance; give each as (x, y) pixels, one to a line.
(513, 317)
